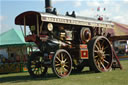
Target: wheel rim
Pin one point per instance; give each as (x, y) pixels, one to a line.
(102, 54)
(35, 67)
(62, 64)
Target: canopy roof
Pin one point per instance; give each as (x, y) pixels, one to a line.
(12, 37)
(120, 32)
(30, 18)
(120, 29)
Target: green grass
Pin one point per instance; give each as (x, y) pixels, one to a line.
(115, 77)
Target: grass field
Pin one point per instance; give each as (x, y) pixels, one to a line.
(115, 77)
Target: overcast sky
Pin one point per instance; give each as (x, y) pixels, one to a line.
(116, 10)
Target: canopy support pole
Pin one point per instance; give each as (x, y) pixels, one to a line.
(37, 25)
(24, 26)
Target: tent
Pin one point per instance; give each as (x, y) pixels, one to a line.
(120, 32)
(12, 37)
(120, 39)
(120, 29)
(13, 48)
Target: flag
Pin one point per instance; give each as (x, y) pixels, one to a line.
(104, 9)
(98, 9)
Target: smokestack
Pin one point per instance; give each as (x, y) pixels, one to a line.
(48, 6)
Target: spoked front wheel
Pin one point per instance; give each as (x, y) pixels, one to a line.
(62, 63)
(35, 65)
(100, 54)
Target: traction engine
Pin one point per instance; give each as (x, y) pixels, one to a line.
(66, 42)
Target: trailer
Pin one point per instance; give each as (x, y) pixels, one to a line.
(66, 42)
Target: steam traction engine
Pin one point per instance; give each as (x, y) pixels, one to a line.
(66, 42)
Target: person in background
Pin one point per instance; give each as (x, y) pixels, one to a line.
(2, 59)
(12, 58)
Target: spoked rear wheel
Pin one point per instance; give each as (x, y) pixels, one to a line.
(35, 67)
(62, 63)
(100, 54)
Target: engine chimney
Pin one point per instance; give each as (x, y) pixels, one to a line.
(48, 6)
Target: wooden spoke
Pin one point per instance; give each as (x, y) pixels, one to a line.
(60, 71)
(33, 63)
(57, 65)
(41, 59)
(33, 66)
(36, 72)
(95, 56)
(102, 44)
(66, 66)
(65, 60)
(98, 64)
(58, 58)
(65, 70)
(105, 47)
(99, 45)
(59, 55)
(33, 69)
(57, 62)
(37, 61)
(103, 66)
(57, 69)
(96, 51)
(62, 57)
(106, 61)
(41, 69)
(107, 55)
(102, 48)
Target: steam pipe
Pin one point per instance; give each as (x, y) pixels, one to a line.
(48, 6)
